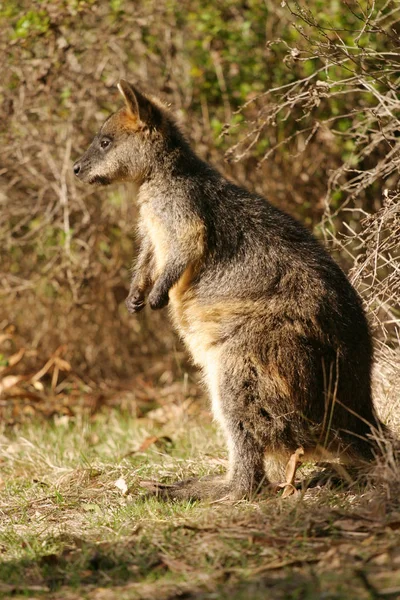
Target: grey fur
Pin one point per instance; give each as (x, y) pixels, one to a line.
(269, 317)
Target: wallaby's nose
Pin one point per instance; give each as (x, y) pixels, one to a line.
(77, 168)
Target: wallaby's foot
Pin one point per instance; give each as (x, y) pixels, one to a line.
(157, 299)
(135, 302)
(211, 489)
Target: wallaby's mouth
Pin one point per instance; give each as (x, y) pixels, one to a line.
(99, 180)
(83, 173)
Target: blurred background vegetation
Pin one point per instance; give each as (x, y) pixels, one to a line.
(295, 100)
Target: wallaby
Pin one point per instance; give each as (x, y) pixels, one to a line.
(277, 329)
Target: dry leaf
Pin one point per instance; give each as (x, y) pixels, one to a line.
(349, 525)
(121, 485)
(15, 358)
(4, 336)
(292, 464)
(43, 370)
(290, 473)
(10, 381)
(149, 441)
(91, 506)
(289, 490)
(175, 565)
(62, 364)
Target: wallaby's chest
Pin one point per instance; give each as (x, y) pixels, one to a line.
(154, 229)
(196, 325)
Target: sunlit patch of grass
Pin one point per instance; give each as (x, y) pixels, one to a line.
(68, 530)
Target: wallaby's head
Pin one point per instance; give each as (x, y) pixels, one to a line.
(130, 142)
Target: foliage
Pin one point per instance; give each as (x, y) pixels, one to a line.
(301, 97)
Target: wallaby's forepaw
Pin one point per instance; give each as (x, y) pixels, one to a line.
(158, 299)
(135, 302)
(211, 489)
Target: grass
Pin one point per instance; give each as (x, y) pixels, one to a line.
(68, 531)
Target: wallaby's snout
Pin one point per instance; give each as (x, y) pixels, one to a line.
(90, 167)
(83, 167)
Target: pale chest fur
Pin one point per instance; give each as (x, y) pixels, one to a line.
(152, 227)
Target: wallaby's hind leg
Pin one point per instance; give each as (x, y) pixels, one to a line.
(244, 479)
(246, 473)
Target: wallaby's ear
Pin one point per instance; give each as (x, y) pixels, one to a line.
(139, 105)
(129, 96)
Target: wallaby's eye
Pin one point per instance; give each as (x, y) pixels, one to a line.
(105, 143)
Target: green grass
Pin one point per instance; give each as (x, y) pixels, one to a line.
(68, 532)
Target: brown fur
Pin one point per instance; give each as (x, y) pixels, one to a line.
(271, 320)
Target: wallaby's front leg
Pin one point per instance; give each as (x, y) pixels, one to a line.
(186, 248)
(173, 270)
(142, 280)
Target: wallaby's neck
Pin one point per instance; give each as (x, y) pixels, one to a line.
(178, 173)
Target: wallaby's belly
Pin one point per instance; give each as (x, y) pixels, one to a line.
(206, 325)
(200, 328)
